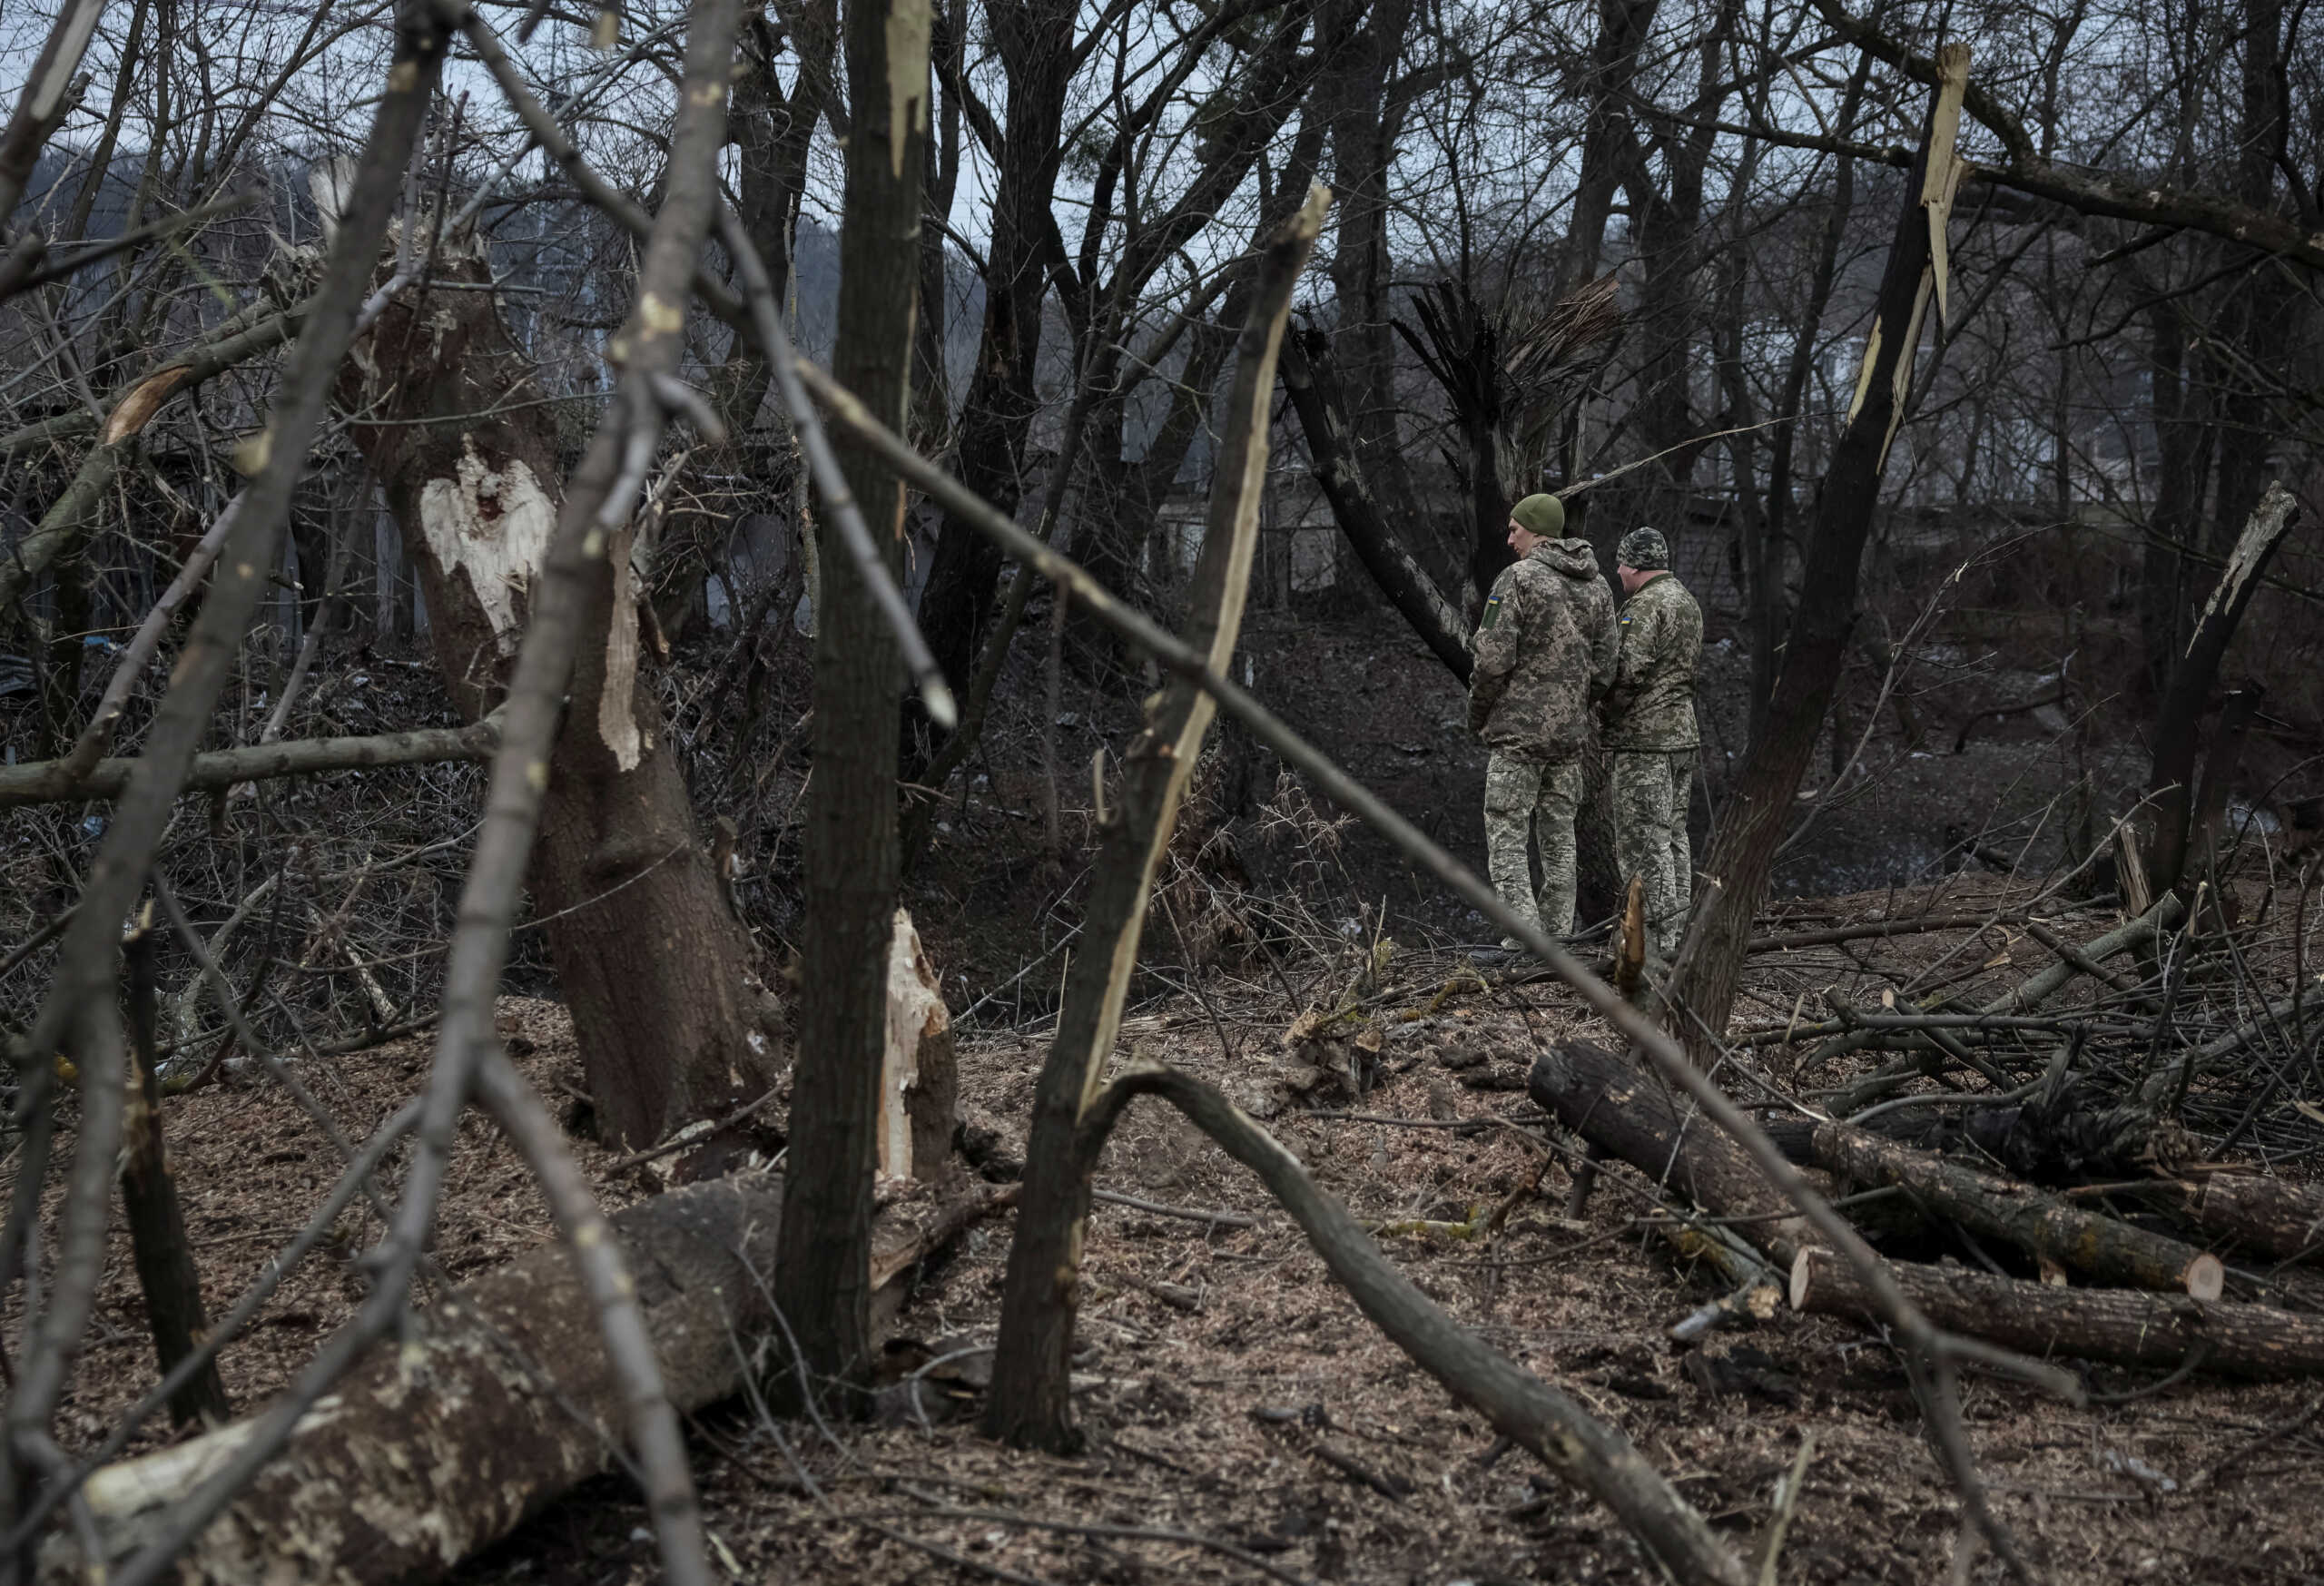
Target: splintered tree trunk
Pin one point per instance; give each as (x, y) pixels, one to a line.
(2192, 673)
(1760, 803)
(652, 963)
(164, 1260)
(823, 1286)
(1028, 1403)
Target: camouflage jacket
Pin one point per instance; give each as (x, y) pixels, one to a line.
(1544, 652)
(1652, 704)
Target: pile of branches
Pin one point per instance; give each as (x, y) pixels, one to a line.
(2086, 1164)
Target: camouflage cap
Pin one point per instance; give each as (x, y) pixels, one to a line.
(1543, 515)
(1645, 549)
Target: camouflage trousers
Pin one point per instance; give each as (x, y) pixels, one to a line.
(1532, 799)
(1650, 790)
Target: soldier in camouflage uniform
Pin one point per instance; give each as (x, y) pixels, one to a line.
(1544, 652)
(1650, 715)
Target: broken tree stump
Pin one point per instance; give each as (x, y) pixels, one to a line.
(2121, 1325)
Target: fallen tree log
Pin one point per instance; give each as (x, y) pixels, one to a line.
(1629, 1114)
(499, 1401)
(1870, 930)
(2042, 1224)
(2121, 1325)
(2266, 1215)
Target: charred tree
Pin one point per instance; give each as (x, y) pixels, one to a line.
(823, 1283)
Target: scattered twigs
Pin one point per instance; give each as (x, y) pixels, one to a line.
(1193, 1214)
(943, 1510)
(83, 991)
(2237, 1458)
(97, 736)
(352, 1181)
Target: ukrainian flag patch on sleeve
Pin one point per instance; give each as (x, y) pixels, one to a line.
(1492, 613)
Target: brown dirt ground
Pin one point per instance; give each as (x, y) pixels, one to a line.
(1185, 1413)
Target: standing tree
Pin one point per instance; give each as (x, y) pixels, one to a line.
(1760, 803)
(822, 1262)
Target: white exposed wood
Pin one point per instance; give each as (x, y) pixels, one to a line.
(616, 722)
(917, 1022)
(490, 526)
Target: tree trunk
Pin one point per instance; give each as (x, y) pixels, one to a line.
(1760, 803)
(166, 1275)
(2042, 1226)
(1626, 1112)
(652, 963)
(2171, 787)
(824, 1286)
(1768, 560)
(1034, 43)
(1029, 1403)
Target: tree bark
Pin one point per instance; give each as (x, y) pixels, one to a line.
(1029, 1402)
(1760, 803)
(393, 1485)
(2121, 1326)
(824, 1287)
(2282, 1220)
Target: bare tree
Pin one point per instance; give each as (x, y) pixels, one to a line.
(823, 1267)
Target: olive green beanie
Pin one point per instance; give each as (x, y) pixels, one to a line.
(1541, 515)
